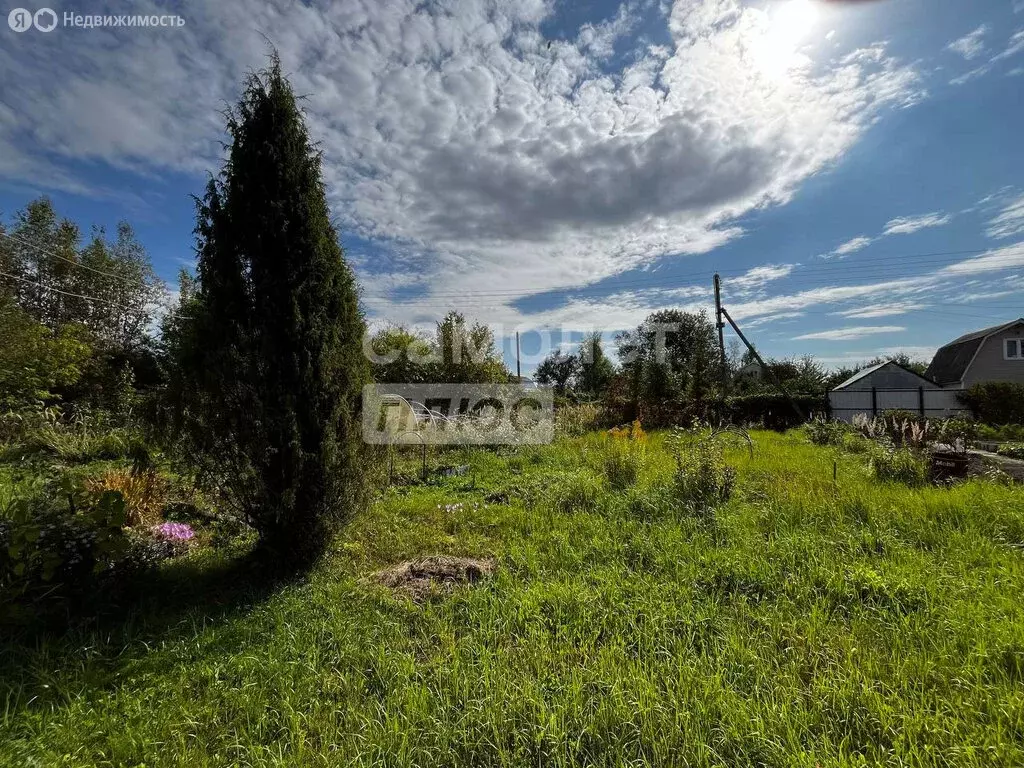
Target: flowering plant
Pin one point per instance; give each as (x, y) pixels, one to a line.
(174, 531)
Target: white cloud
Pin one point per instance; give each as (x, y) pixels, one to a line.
(852, 246)
(970, 45)
(907, 225)
(496, 156)
(1009, 222)
(880, 310)
(1010, 257)
(1013, 47)
(758, 277)
(903, 225)
(973, 74)
(850, 334)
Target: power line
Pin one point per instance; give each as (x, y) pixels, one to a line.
(845, 266)
(39, 248)
(65, 293)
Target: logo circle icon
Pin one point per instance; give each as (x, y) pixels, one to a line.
(45, 19)
(19, 19)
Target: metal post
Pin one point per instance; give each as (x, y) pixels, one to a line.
(874, 401)
(519, 372)
(920, 400)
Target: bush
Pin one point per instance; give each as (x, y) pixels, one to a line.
(702, 479)
(1014, 432)
(996, 402)
(1012, 450)
(898, 465)
(55, 552)
(772, 411)
(822, 431)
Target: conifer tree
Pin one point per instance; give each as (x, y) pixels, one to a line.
(270, 353)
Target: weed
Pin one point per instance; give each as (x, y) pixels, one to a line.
(702, 478)
(898, 465)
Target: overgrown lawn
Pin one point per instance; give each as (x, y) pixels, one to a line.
(805, 622)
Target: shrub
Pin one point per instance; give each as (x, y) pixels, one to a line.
(822, 431)
(770, 410)
(996, 402)
(72, 545)
(1013, 432)
(953, 430)
(702, 479)
(898, 465)
(1012, 450)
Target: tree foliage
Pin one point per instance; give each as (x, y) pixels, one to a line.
(558, 370)
(671, 354)
(268, 345)
(36, 361)
(595, 369)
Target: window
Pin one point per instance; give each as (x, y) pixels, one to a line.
(1014, 349)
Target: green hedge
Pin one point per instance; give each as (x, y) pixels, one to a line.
(773, 411)
(996, 403)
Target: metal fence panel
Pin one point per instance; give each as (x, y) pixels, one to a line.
(935, 403)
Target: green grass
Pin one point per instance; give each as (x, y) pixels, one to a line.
(805, 623)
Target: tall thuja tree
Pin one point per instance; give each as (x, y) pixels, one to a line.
(595, 370)
(276, 352)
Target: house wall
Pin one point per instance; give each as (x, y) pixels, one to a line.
(989, 364)
(890, 377)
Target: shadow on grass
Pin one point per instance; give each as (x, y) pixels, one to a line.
(45, 665)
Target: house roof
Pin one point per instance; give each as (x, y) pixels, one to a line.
(871, 369)
(952, 361)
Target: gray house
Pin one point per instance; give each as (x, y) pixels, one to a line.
(887, 387)
(994, 354)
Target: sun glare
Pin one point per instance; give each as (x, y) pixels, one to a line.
(788, 26)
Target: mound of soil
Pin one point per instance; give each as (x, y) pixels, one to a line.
(433, 576)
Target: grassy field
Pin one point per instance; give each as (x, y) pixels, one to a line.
(805, 623)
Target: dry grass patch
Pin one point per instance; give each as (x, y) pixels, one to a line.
(438, 575)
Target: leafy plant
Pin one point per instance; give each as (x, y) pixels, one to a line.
(49, 552)
(702, 480)
(996, 402)
(1012, 450)
(893, 464)
(823, 431)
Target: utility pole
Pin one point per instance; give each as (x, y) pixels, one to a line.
(519, 372)
(775, 379)
(721, 334)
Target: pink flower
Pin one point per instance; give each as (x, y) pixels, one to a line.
(174, 531)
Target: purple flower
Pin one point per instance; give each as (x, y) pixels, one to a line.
(174, 531)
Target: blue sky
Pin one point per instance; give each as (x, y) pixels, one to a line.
(853, 169)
